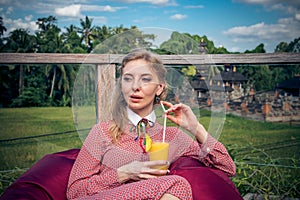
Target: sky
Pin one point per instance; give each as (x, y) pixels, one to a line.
(238, 25)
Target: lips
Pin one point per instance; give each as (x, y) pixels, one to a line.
(135, 98)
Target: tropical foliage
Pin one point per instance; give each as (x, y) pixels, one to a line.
(51, 85)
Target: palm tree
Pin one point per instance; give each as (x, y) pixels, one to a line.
(19, 41)
(46, 23)
(2, 27)
(63, 76)
(52, 41)
(86, 32)
(71, 39)
(103, 32)
(57, 73)
(119, 29)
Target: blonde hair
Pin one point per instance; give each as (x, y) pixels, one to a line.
(119, 111)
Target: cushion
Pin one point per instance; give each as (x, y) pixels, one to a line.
(207, 183)
(47, 179)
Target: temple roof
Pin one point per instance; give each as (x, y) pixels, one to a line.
(230, 76)
(293, 83)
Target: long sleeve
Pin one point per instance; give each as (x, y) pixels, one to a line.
(214, 154)
(88, 174)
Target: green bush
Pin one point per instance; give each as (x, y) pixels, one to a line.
(260, 173)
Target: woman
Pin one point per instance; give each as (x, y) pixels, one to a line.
(114, 163)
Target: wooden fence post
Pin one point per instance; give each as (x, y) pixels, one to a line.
(105, 80)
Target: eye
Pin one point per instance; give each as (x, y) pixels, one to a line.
(127, 78)
(146, 79)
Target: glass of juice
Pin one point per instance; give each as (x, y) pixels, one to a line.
(159, 151)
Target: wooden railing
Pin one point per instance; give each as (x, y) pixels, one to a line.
(103, 62)
(48, 58)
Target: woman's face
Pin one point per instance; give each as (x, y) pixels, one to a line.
(140, 84)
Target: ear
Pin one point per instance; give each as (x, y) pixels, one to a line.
(160, 89)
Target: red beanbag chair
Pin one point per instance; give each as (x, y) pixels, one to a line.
(47, 179)
(207, 183)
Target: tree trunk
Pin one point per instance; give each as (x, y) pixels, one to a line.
(53, 82)
(21, 79)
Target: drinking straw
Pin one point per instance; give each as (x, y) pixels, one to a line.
(165, 122)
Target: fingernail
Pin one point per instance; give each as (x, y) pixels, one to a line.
(168, 171)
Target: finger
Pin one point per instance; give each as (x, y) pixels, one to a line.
(159, 172)
(168, 104)
(185, 108)
(173, 119)
(174, 108)
(154, 175)
(146, 176)
(153, 171)
(155, 163)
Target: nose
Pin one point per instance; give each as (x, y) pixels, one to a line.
(136, 85)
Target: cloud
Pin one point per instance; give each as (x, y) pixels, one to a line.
(98, 20)
(288, 6)
(68, 11)
(155, 2)
(9, 10)
(178, 17)
(286, 29)
(28, 18)
(45, 6)
(27, 24)
(194, 6)
(75, 10)
(106, 8)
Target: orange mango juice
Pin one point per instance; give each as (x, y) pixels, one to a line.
(159, 151)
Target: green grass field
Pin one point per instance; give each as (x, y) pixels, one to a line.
(267, 154)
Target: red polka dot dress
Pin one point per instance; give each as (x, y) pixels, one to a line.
(94, 173)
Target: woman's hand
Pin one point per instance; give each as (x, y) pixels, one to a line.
(183, 116)
(141, 170)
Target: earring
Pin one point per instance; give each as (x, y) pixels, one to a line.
(157, 100)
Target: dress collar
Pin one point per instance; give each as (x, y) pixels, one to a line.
(135, 118)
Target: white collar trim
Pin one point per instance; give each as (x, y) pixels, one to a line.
(135, 118)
